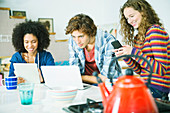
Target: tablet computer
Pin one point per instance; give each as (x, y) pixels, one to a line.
(28, 71)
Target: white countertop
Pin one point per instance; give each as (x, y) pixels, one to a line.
(42, 101)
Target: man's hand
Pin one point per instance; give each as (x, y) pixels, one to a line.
(92, 79)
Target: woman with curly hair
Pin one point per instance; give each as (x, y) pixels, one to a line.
(29, 40)
(152, 42)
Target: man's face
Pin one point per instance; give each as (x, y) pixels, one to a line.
(81, 39)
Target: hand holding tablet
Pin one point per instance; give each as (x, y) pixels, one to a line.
(28, 71)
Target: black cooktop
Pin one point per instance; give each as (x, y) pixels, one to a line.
(97, 107)
(89, 107)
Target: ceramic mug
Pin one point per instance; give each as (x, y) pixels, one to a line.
(0, 79)
(10, 83)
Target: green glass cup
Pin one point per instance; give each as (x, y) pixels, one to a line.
(26, 93)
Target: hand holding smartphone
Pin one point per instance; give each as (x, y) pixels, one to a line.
(116, 44)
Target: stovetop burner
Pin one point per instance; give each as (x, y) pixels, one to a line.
(90, 107)
(97, 107)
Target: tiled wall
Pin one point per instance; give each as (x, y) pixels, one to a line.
(6, 27)
(59, 50)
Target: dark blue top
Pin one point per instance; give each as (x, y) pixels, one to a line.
(45, 58)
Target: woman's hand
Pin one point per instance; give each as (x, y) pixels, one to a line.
(125, 50)
(20, 80)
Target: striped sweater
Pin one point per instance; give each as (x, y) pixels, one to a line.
(156, 49)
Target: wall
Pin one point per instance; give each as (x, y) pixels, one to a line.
(59, 50)
(6, 27)
(102, 12)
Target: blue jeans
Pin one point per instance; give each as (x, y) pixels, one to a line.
(159, 94)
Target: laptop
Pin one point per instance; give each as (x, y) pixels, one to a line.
(56, 76)
(28, 71)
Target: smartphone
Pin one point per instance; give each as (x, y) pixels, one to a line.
(116, 44)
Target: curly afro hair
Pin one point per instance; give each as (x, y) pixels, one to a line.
(30, 27)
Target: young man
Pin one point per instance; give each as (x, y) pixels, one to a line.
(90, 49)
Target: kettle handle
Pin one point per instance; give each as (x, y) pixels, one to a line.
(115, 58)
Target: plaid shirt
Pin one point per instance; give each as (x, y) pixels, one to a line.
(103, 54)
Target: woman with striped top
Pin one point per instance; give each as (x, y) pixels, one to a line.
(152, 42)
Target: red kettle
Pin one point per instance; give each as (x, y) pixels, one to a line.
(129, 94)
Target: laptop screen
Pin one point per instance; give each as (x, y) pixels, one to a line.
(56, 76)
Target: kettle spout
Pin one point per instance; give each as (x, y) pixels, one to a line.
(103, 89)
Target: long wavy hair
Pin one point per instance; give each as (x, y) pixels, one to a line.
(82, 23)
(149, 17)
